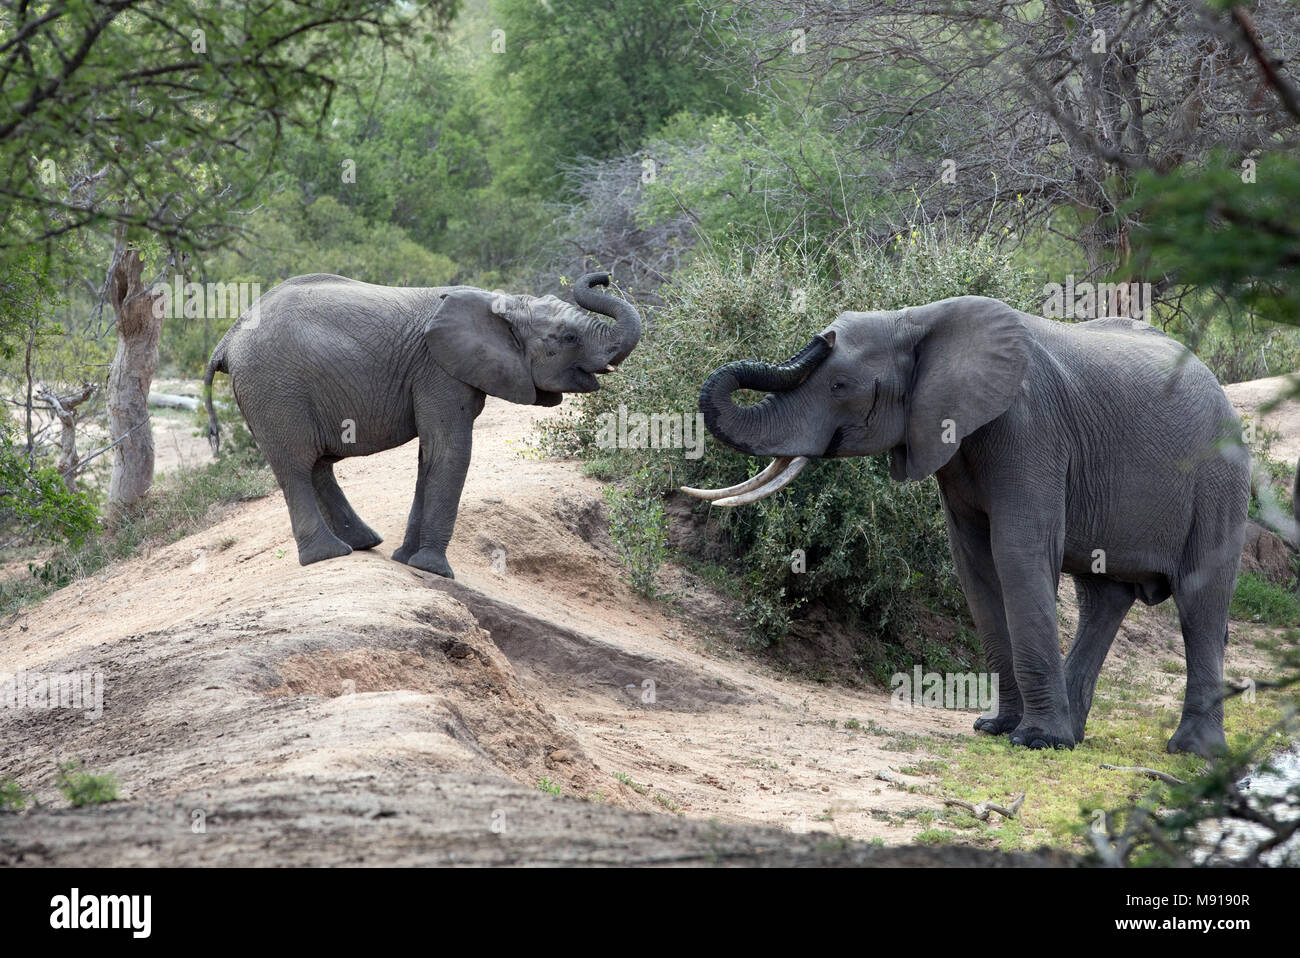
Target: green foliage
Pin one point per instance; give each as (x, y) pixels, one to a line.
(1258, 600)
(1208, 227)
(82, 788)
(593, 78)
(544, 784)
(34, 501)
(639, 530)
(156, 103)
(12, 797)
(876, 551)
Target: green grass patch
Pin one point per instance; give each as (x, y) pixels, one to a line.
(1064, 788)
(1258, 600)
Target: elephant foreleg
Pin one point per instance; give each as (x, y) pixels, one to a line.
(442, 476)
(973, 560)
(1028, 559)
(1103, 603)
(411, 540)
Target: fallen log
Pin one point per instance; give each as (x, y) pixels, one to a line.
(171, 401)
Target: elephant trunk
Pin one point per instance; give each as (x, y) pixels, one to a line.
(749, 429)
(627, 322)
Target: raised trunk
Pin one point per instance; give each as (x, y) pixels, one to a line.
(129, 377)
(754, 428)
(627, 322)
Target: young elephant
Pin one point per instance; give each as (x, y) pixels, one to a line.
(1103, 449)
(324, 367)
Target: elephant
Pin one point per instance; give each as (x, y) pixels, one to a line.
(1103, 449)
(324, 367)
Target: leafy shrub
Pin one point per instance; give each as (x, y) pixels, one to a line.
(11, 796)
(34, 501)
(81, 788)
(639, 530)
(875, 551)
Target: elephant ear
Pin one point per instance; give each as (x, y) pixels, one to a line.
(970, 354)
(470, 334)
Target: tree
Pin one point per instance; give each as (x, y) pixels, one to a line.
(594, 78)
(163, 120)
(1013, 114)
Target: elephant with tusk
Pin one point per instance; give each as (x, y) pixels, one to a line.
(324, 367)
(1103, 449)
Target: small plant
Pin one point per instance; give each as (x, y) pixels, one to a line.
(640, 533)
(667, 803)
(635, 786)
(11, 795)
(546, 785)
(81, 788)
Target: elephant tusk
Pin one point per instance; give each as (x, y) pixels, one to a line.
(774, 467)
(610, 369)
(780, 482)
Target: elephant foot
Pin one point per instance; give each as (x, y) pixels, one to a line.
(430, 560)
(997, 724)
(1037, 736)
(402, 553)
(323, 545)
(360, 536)
(1201, 736)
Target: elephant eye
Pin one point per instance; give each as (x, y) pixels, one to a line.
(570, 339)
(837, 387)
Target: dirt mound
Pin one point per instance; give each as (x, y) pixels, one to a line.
(357, 710)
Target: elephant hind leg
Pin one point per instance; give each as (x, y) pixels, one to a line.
(314, 538)
(1103, 603)
(1203, 614)
(337, 511)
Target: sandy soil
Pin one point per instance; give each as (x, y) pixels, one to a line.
(1284, 418)
(361, 711)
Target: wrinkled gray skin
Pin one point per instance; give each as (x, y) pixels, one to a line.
(325, 367)
(1065, 439)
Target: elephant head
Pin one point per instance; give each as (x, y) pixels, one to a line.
(530, 349)
(913, 382)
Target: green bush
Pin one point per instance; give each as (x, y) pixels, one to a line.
(34, 501)
(639, 530)
(875, 551)
(11, 796)
(81, 788)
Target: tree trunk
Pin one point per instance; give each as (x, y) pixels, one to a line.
(129, 379)
(65, 410)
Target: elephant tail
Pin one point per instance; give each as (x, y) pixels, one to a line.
(217, 364)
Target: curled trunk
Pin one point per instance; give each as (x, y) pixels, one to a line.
(627, 322)
(748, 429)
